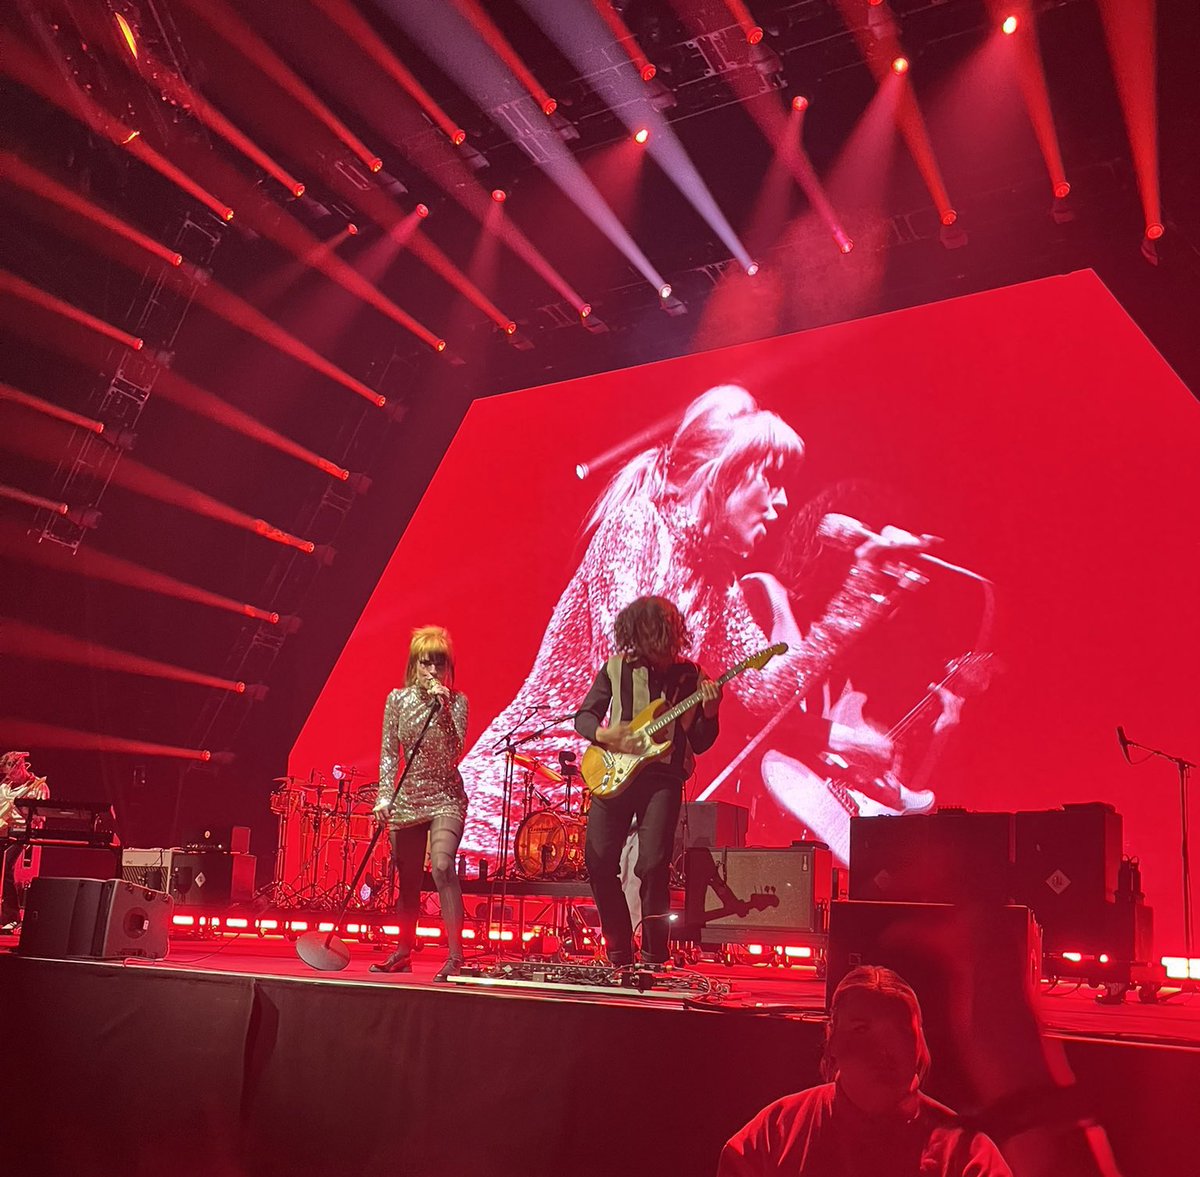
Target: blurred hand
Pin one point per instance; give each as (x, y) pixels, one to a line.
(893, 542)
(380, 811)
(710, 694)
(862, 746)
(622, 738)
(952, 706)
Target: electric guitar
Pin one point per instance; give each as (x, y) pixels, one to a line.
(606, 772)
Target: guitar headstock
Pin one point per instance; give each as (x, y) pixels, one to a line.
(760, 658)
(973, 672)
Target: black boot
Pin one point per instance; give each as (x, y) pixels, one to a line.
(452, 967)
(399, 962)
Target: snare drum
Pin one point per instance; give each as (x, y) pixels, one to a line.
(550, 845)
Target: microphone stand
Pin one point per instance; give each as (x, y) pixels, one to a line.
(331, 954)
(1184, 768)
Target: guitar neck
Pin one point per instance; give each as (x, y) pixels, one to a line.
(686, 704)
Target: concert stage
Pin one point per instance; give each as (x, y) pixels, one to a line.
(233, 1058)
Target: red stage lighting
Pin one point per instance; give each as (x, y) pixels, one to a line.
(1062, 189)
(549, 107)
(227, 213)
(376, 164)
(510, 328)
(899, 65)
(949, 216)
(127, 35)
(298, 191)
(499, 195)
(1009, 26)
(664, 291)
(641, 135)
(352, 229)
(754, 36)
(752, 269)
(459, 137)
(422, 210)
(1154, 231)
(585, 310)
(440, 345)
(800, 102)
(648, 72)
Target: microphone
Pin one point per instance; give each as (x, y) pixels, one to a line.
(1123, 740)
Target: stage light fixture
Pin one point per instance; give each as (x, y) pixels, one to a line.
(324, 554)
(499, 195)
(359, 484)
(754, 36)
(800, 103)
(298, 190)
(256, 692)
(766, 61)
(422, 210)
(952, 235)
(641, 135)
(594, 325)
(1062, 190)
(674, 306)
(1154, 230)
(648, 72)
(510, 328)
(664, 291)
(86, 517)
(566, 130)
(1009, 26)
(752, 269)
(585, 310)
(660, 97)
(948, 216)
(1061, 211)
(899, 65)
(549, 107)
(439, 345)
(459, 137)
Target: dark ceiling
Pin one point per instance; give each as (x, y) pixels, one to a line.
(1003, 203)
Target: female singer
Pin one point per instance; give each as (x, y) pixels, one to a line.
(432, 803)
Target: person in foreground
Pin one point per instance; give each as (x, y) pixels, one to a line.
(651, 636)
(871, 1117)
(432, 803)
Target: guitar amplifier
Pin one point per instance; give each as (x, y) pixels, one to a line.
(757, 896)
(147, 868)
(212, 877)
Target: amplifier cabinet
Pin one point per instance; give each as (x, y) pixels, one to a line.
(147, 868)
(752, 895)
(211, 877)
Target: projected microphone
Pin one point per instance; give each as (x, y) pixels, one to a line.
(1123, 739)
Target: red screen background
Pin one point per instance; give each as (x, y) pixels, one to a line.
(1033, 428)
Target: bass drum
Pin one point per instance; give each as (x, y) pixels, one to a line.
(550, 845)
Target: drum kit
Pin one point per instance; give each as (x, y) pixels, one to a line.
(549, 842)
(323, 828)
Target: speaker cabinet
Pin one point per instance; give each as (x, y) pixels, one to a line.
(105, 919)
(750, 896)
(211, 877)
(941, 857)
(1068, 862)
(910, 938)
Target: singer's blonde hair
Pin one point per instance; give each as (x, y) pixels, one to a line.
(426, 640)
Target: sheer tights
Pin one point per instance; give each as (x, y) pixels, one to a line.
(408, 853)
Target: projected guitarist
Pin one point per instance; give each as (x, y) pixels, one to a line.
(651, 635)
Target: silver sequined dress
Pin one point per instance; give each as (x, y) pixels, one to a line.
(434, 786)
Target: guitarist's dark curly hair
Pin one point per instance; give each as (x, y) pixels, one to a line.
(651, 625)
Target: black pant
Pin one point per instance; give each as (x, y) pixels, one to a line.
(408, 854)
(653, 798)
(10, 904)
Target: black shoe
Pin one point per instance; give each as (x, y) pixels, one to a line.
(398, 962)
(452, 967)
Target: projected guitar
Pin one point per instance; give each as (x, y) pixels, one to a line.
(606, 772)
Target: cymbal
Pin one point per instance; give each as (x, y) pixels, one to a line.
(538, 768)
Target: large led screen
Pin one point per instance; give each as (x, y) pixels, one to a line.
(1040, 450)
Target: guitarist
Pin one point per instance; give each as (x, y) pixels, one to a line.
(16, 782)
(651, 635)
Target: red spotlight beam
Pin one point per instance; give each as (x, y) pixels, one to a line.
(194, 399)
(17, 732)
(483, 24)
(19, 639)
(437, 261)
(174, 87)
(91, 562)
(355, 26)
(1130, 30)
(225, 21)
(18, 62)
(29, 401)
(241, 314)
(22, 289)
(741, 14)
(625, 38)
(15, 170)
(14, 494)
